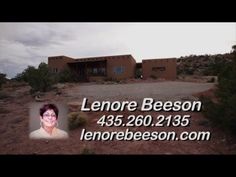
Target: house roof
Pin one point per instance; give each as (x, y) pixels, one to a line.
(102, 58)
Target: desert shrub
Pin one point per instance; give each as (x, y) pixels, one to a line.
(179, 71)
(223, 113)
(77, 119)
(211, 110)
(206, 72)
(189, 71)
(25, 75)
(40, 79)
(2, 79)
(87, 151)
(212, 80)
(215, 67)
(66, 76)
(19, 77)
(204, 123)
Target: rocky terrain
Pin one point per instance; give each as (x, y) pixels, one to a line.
(207, 65)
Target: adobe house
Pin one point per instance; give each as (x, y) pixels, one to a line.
(117, 67)
(96, 68)
(159, 68)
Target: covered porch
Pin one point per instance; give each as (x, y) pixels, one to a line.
(89, 70)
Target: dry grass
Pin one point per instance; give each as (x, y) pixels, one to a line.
(77, 119)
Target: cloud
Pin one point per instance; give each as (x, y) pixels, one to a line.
(28, 44)
(33, 34)
(23, 44)
(11, 68)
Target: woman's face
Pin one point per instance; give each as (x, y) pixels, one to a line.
(49, 118)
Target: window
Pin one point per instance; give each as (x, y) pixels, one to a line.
(95, 70)
(118, 70)
(102, 71)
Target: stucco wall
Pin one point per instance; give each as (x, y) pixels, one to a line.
(159, 68)
(58, 62)
(121, 67)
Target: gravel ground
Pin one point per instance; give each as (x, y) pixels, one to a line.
(171, 90)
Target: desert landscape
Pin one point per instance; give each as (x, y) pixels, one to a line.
(165, 63)
(14, 126)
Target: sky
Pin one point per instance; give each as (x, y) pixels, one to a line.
(24, 44)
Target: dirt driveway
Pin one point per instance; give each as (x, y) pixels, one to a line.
(171, 90)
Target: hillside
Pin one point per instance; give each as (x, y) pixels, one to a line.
(202, 65)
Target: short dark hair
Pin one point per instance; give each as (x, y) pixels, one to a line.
(46, 107)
